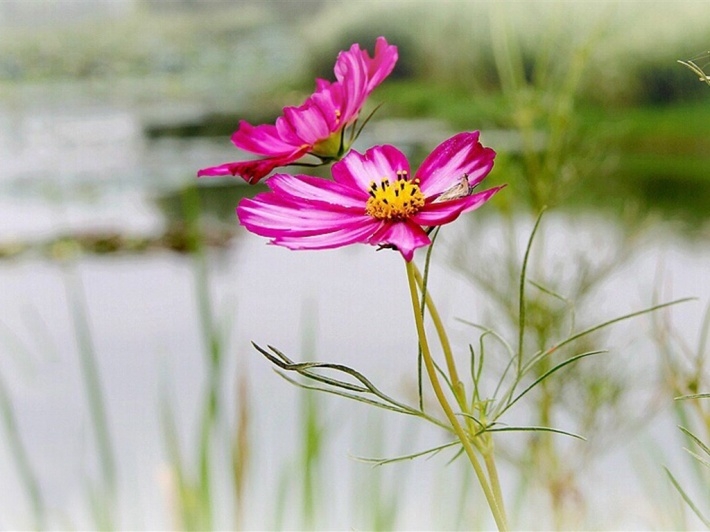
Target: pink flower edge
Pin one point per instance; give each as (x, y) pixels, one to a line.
(303, 212)
(308, 127)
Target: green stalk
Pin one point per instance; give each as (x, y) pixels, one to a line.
(458, 387)
(490, 462)
(495, 505)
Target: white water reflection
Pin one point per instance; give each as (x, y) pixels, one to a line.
(145, 324)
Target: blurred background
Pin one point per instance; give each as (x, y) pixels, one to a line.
(130, 394)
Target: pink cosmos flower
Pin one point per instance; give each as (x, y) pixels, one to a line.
(316, 127)
(373, 198)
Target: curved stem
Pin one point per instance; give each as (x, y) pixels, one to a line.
(457, 384)
(493, 503)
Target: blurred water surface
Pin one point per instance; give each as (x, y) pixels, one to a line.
(110, 156)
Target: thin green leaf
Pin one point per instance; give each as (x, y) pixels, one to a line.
(286, 364)
(692, 396)
(600, 326)
(697, 440)
(699, 458)
(521, 295)
(28, 477)
(560, 297)
(547, 374)
(354, 137)
(304, 369)
(506, 345)
(454, 457)
(686, 498)
(354, 397)
(549, 292)
(536, 429)
(382, 461)
(474, 419)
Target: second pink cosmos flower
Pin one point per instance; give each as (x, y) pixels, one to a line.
(316, 127)
(373, 198)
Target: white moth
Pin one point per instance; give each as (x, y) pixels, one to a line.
(458, 190)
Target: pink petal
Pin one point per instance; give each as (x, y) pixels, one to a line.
(447, 211)
(360, 74)
(382, 63)
(351, 72)
(358, 171)
(330, 101)
(251, 171)
(262, 140)
(459, 155)
(338, 237)
(405, 236)
(303, 125)
(270, 215)
(318, 192)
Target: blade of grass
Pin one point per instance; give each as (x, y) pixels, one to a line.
(697, 440)
(383, 461)
(28, 478)
(687, 499)
(544, 376)
(94, 393)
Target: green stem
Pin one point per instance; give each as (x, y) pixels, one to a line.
(489, 459)
(458, 387)
(495, 506)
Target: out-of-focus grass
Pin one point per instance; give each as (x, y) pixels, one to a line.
(657, 155)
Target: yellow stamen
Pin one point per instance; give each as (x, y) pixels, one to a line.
(395, 201)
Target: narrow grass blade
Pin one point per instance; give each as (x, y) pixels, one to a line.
(93, 389)
(304, 369)
(521, 295)
(697, 440)
(536, 429)
(547, 374)
(693, 396)
(18, 451)
(600, 326)
(382, 461)
(687, 499)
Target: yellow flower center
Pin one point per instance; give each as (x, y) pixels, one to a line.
(395, 201)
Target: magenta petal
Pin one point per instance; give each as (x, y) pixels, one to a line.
(317, 191)
(359, 171)
(329, 102)
(262, 140)
(354, 234)
(359, 74)
(303, 125)
(351, 73)
(382, 63)
(270, 215)
(251, 171)
(405, 236)
(459, 155)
